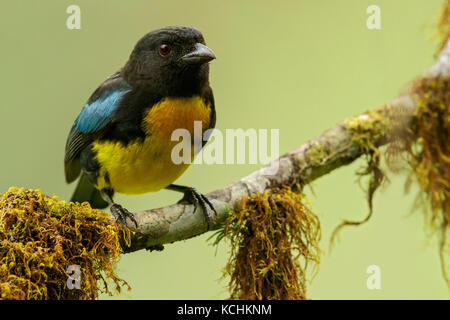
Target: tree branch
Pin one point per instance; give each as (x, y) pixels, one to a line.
(332, 149)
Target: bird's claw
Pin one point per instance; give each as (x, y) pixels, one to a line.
(196, 198)
(121, 214)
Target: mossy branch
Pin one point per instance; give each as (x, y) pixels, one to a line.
(274, 235)
(332, 149)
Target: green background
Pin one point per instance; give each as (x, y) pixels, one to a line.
(300, 66)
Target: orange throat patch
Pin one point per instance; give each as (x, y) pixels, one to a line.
(175, 113)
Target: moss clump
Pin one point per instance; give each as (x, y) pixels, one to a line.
(40, 237)
(429, 155)
(274, 237)
(364, 134)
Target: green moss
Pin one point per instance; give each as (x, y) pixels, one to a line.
(41, 236)
(365, 130)
(316, 154)
(372, 123)
(274, 238)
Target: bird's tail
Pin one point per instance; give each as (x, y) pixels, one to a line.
(85, 191)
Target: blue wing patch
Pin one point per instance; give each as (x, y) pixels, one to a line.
(96, 114)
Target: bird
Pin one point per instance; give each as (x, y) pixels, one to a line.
(121, 140)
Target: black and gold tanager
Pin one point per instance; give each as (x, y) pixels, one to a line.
(121, 140)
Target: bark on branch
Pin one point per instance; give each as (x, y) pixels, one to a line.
(304, 164)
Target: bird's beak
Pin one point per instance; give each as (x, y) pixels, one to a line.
(201, 54)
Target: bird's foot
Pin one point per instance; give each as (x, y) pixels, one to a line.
(121, 214)
(194, 197)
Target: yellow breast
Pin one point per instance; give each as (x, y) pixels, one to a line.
(145, 166)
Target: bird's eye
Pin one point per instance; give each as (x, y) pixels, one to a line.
(164, 49)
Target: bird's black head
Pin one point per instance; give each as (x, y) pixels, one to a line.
(172, 61)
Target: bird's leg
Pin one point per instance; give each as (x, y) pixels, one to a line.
(119, 212)
(191, 195)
